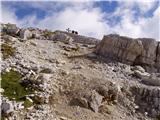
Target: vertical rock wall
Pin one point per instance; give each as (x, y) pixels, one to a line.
(144, 51)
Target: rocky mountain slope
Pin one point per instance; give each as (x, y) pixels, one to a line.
(63, 76)
(141, 51)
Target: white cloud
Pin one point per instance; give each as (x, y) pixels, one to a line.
(77, 16)
(135, 27)
(89, 20)
(146, 6)
(151, 26)
(143, 5)
(8, 15)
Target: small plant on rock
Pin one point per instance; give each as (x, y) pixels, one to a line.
(11, 84)
(7, 50)
(28, 103)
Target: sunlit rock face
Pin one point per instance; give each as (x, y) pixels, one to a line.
(141, 51)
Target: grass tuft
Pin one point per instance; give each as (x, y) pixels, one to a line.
(7, 50)
(12, 87)
(28, 103)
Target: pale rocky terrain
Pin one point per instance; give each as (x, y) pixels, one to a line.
(76, 77)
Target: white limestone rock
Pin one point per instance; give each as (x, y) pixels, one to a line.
(25, 34)
(96, 100)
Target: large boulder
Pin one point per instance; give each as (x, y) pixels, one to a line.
(95, 101)
(149, 53)
(88, 99)
(10, 29)
(25, 34)
(59, 36)
(75, 38)
(143, 51)
(36, 34)
(150, 79)
(121, 48)
(141, 75)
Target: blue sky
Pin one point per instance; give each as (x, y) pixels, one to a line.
(92, 18)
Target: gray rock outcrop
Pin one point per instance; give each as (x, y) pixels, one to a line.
(66, 79)
(10, 29)
(148, 99)
(147, 78)
(144, 51)
(96, 101)
(59, 36)
(25, 34)
(80, 38)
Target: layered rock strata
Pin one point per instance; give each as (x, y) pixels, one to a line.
(140, 51)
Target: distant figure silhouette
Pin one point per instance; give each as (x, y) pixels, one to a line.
(76, 32)
(73, 31)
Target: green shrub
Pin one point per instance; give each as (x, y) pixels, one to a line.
(7, 50)
(28, 103)
(11, 84)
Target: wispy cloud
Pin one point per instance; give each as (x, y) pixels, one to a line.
(8, 15)
(137, 26)
(89, 19)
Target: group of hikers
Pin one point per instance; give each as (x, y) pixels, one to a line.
(71, 31)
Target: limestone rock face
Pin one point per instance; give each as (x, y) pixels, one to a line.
(78, 38)
(25, 34)
(158, 56)
(36, 33)
(150, 79)
(143, 51)
(61, 37)
(142, 75)
(10, 29)
(150, 98)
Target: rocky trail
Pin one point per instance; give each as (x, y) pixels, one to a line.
(62, 76)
